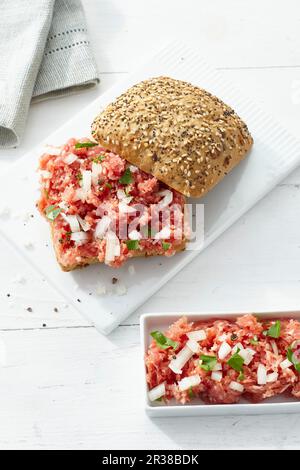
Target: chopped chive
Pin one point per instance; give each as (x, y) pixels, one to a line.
(191, 393)
(162, 341)
(126, 178)
(241, 376)
(208, 362)
(82, 145)
(52, 212)
(166, 246)
(108, 185)
(132, 244)
(99, 159)
(236, 362)
(254, 340)
(274, 330)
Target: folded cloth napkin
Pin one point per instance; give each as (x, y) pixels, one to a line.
(45, 53)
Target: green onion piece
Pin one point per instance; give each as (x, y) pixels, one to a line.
(166, 246)
(108, 185)
(274, 330)
(208, 362)
(82, 145)
(132, 244)
(162, 341)
(236, 362)
(79, 176)
(126, 178)
(159, 399)
(52, 212)
(191, 393)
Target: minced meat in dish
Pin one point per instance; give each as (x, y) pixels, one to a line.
(221, 361)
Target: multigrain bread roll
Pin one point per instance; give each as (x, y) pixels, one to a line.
(179, 133)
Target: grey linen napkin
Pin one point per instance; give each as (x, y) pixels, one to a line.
(45, 53)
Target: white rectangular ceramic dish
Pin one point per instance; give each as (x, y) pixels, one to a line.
(274, 155)
(161, 321)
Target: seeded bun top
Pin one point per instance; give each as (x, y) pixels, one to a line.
(179, 133)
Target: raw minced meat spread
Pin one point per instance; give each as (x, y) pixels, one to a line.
(220, 361)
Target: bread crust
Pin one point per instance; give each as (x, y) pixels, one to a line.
(95, 260)
(179, 133)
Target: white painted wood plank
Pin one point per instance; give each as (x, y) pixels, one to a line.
(235, 34)
(72, 388)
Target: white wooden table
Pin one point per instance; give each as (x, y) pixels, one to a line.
(66, 386)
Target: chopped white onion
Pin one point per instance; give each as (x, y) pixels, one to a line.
(216, 376)
(197, 335)
(125, 209)
(64, 206)
(247, 354)
(71, 158)
(274, 347)
(102, 226)
(295, 344)
(79, 237)
(121, 195)
(133, 168)
(272, 377)
(222, 338)
(224, 350)
(84, 224)
(51, 150)
(86, 181)
(218, 366)
(237, 387)
(261, 375)
(236, 347)
(112, 248)
(193, 345)
(157, 392)
(182, 358)
(285, 364)
(96, 172)
(72, 221)
(167, 198)
(45, 174)
(79, 195)
(188, 382)
(163, 234)
(134, 235)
